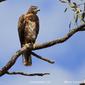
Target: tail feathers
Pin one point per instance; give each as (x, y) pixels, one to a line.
(27, 59)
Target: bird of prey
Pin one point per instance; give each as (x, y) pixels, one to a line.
(28, 28)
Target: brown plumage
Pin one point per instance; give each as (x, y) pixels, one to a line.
(28, 28)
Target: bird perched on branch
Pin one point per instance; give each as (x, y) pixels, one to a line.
(28, 28)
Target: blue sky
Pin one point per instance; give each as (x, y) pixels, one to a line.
(69, 56)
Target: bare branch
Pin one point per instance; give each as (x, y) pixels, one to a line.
(13, 60)
(61, 40)
(36, 47)
(45, 59)
(25, 74)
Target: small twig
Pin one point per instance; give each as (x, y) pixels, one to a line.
(26, 74)
(45, 59)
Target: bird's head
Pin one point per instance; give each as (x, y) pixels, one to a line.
(33, 9)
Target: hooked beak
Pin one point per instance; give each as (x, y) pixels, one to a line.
(37, 10)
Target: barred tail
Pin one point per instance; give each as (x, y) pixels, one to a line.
(27, 59)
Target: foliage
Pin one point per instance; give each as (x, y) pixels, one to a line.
(78, 9)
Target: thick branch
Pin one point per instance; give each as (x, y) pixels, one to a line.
(25, 74)
(61, 40)
(13, 60)
(45, 59)
(36, 47)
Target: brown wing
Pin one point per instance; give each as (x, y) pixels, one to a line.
(37, 25)
(28, 28)
(31, 28)
(34, 25)
(21, 26)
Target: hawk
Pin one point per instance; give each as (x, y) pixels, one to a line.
(28, 28)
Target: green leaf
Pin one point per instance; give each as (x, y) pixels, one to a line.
(63, 1)
(70, 24)
(76, 19)
(73, 5)
(69, 1)
(65, 10)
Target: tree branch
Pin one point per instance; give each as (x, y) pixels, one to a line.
(45, 59)
(25, 74)
(12, 61)
(61, 40)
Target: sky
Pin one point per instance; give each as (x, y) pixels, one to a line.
(69, 57)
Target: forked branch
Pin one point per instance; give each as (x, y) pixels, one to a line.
(12, 61)
(44, 59)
